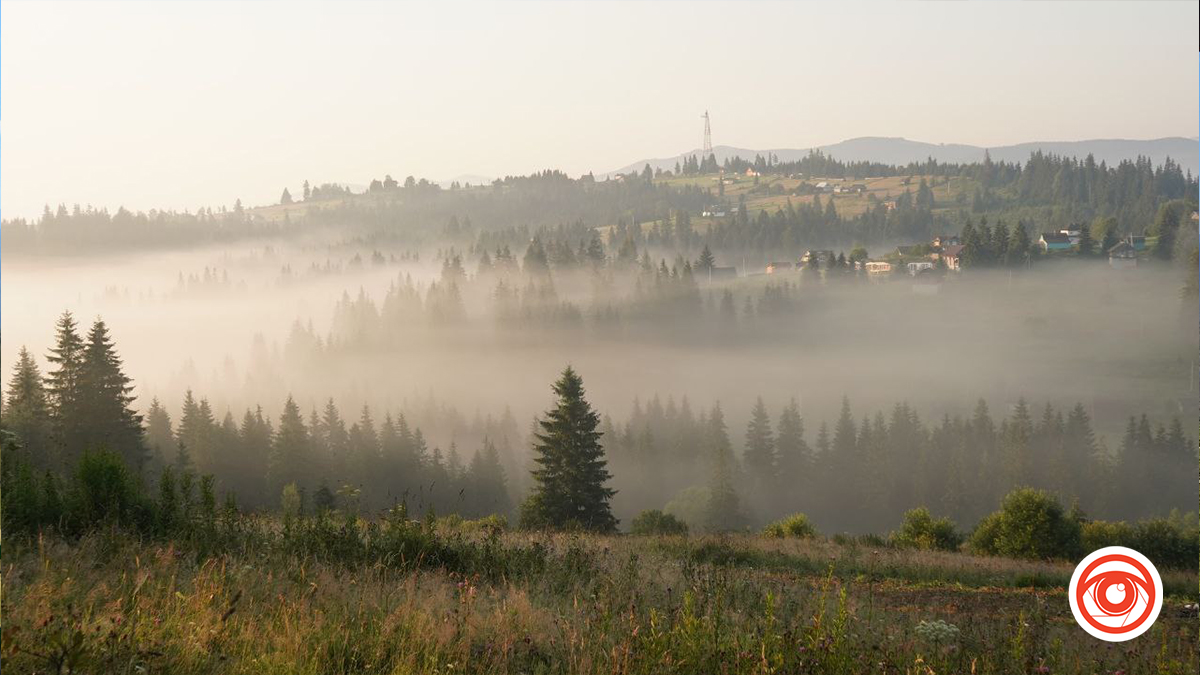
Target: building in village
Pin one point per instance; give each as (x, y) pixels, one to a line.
(1122, 256)
(1054, 241)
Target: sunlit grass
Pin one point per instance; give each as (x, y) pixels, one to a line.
(579, 603)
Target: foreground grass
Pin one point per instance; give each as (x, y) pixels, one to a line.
(522, 603)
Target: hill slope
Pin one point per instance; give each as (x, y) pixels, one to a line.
(902, 151)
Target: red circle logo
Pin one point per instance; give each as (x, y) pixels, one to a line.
(1115, 594)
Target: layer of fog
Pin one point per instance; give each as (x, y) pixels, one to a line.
(1062, 332)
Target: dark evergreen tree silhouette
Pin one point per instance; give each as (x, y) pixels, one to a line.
(160, 438)
(64, 386)
(290, 460)
(571, 473)
(109, 419)
(723, 511)
(27, 410)
(760, 447)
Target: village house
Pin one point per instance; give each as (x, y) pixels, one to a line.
(774, 267)
(890, 205)
(943, 240)
(1122, 256)
(915, 268)
(1138, 243)
(716, 211)
(952, 256)
(1072, 235)
(877, 267)
(1054, 241)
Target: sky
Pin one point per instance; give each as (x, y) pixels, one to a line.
(180, 105)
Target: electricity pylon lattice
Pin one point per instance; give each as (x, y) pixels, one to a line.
(707, 137)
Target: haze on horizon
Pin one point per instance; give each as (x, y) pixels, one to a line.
(181, 105)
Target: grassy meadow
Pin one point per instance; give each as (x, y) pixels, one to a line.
(332, 595)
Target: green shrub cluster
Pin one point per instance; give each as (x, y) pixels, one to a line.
(100, 491)
(795, 526)
(1030, 524)
(656, 522)
(921, 530)
(1167, 542)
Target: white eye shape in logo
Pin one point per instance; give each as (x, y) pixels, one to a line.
(1115, 594)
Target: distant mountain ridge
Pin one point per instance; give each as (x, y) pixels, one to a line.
(900, 151)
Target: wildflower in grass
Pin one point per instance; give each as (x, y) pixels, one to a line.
(937, 632)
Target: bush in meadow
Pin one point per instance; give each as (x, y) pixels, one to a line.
(1030, 524)
(654, 522)
(795, 526)
(921, 530)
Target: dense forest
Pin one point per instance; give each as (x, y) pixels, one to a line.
(852, 475)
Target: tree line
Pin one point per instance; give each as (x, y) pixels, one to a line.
(853, 475)
(859, 473)
(1046, 189)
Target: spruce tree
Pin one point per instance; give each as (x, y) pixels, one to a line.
(289, 461)
(793, 456)
(705, 262)
(1166, 226)
(27, 410)
(160, 439)
(571, 473)
(760, 447)
(196, 430)
(65, 391)
(109, 419)
(363, 442)
(723, 510)
(255, 435)
(486, 482)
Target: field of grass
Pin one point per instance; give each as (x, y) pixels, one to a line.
(434, 600)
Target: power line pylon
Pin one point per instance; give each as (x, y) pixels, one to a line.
(707, 137)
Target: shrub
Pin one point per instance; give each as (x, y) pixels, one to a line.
(1099, 533)
(104, 491)
(290, 500)
(921, 530)
(1167, 544)
(456, 523)
(795, 526)
(1030, 524)
(656, 522)
(20, 498)
(689, 505)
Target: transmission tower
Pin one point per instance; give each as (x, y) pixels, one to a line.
(707, 137)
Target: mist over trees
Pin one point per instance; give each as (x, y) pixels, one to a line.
(1047, 192)
(641, 281)
(855, 474)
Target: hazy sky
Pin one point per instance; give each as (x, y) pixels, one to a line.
(179, 104)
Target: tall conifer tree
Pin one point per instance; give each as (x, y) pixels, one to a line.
(571, 473)
(27, 410)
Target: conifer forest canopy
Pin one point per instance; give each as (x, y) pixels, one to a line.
(407, 335)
